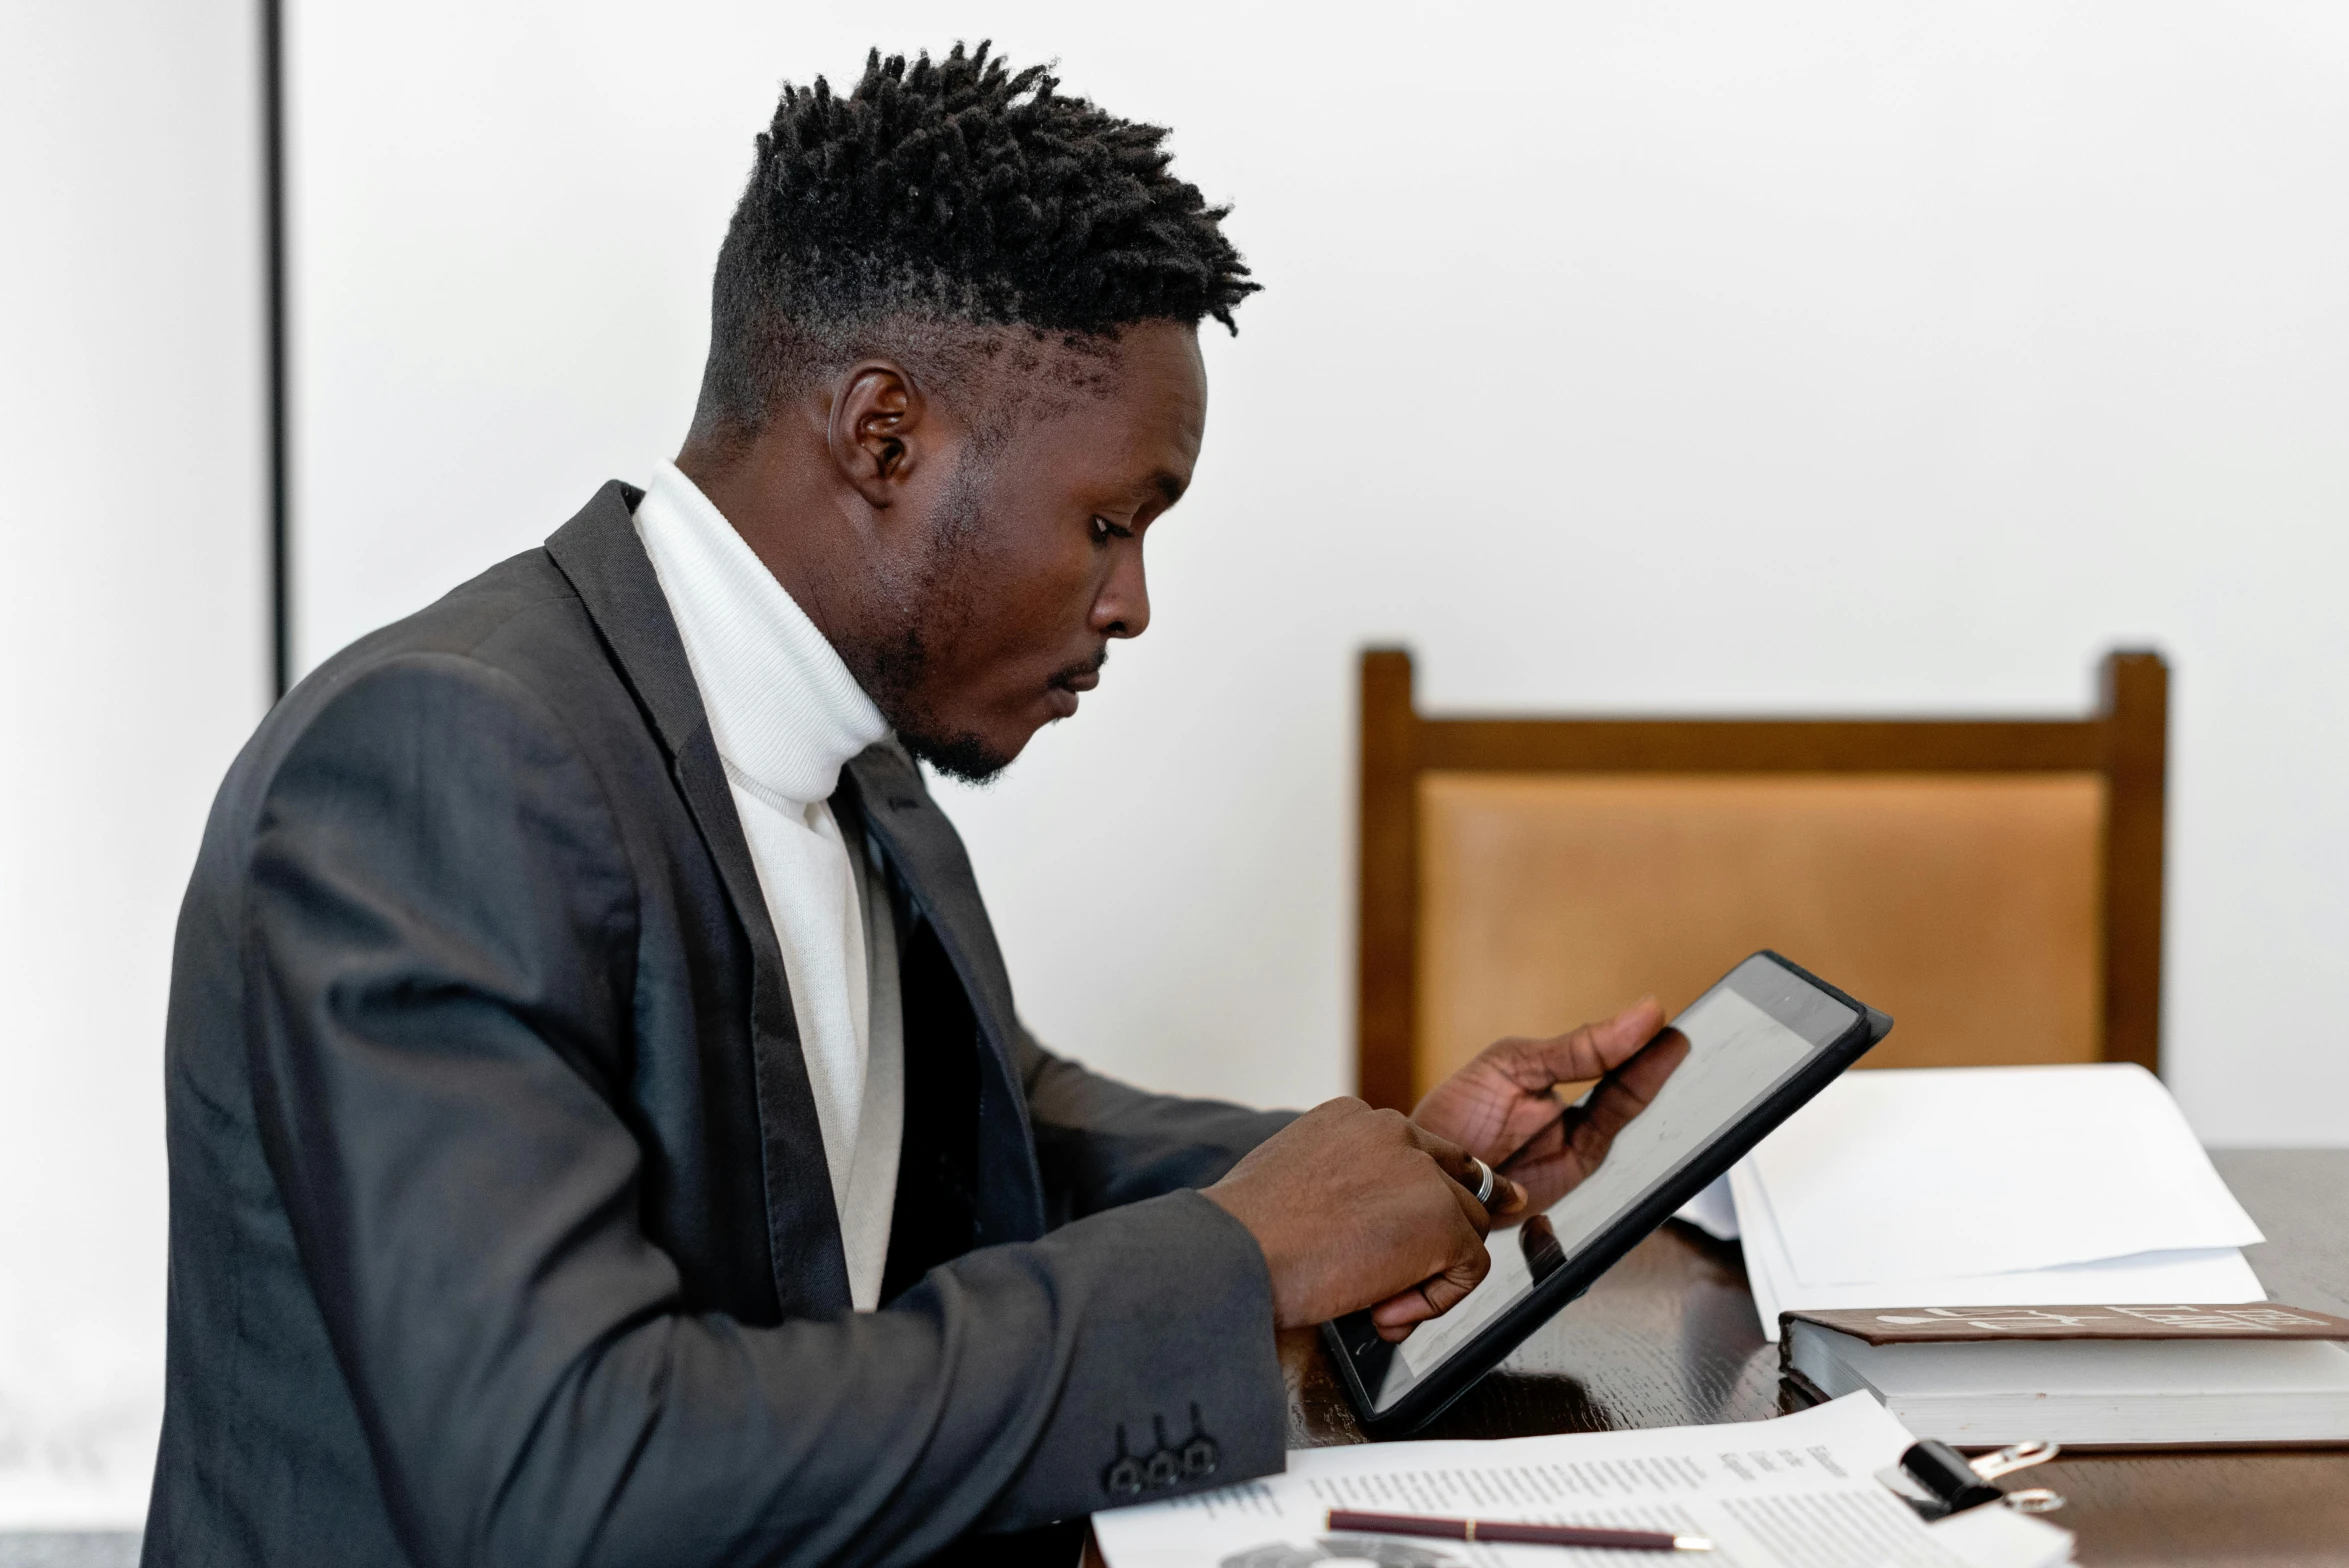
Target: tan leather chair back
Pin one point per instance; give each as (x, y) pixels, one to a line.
(1995, 885)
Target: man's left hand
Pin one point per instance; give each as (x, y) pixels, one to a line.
(1501, 1107)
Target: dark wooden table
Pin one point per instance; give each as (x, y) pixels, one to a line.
(1669, 1338)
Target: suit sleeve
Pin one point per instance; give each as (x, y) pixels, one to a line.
(438, 948)
(1103, 1144)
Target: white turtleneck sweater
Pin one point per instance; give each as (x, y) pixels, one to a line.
(786, 714)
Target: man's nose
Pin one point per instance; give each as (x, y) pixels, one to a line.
(1122, 607)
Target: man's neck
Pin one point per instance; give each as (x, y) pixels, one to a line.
(796, 525)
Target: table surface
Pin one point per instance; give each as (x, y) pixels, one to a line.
(1669, 1338)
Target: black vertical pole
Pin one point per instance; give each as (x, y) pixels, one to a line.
(273, 210)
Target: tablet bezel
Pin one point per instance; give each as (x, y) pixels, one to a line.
(1460, 1371)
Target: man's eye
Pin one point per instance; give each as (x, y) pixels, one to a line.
(1104, 530)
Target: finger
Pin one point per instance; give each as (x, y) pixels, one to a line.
(1449, 1157)
(1394, 1318)
(1431, 1297)
(1507, 1197)
(1625, 1095)
(1562, 1154)
(1546, 1178)
(1400, 1313)
(1550, 1164)
(1587, 1052)
(1448, 1289)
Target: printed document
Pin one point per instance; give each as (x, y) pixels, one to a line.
(1797, 1492)
(1984, 1186)
(2043, 1167)
(2215, 1274)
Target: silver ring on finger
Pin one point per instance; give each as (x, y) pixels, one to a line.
(1484, 1187)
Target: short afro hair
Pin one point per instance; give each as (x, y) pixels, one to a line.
(946, 195)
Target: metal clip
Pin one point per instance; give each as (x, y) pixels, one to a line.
(1936, 1481)
(2022, 1456)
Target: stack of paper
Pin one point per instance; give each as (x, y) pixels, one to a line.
(1985, 1186)
(1798, 1492)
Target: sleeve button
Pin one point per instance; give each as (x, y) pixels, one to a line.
(1123, 1479)
(1165, 1468)
(1199, 1458)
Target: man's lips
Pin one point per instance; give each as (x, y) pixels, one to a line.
(1060, 694)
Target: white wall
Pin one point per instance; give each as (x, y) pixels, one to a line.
(1830, 356)
(133, 661)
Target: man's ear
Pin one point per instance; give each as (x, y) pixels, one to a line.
(878, 435)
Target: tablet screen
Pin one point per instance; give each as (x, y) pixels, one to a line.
(1640, 1126)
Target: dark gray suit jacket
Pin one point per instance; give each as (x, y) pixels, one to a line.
(501, 1231)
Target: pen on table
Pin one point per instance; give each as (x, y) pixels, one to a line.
(1496, 1530)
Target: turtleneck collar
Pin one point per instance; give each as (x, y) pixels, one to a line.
(783, 709)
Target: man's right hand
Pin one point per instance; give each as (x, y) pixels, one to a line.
(1356, 1208)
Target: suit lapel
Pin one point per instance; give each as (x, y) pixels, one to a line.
(929, 855)
(599, 552)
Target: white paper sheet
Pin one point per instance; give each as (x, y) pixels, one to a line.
(1929, 1174)
(2215, 1274)
(1797, 1492)
(1712, 1211)
(2002, 1538)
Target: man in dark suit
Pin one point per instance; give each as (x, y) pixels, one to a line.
(600, 1126)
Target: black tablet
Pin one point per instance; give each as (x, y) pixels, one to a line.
(1691, 1102)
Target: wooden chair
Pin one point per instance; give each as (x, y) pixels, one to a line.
(1994, 884)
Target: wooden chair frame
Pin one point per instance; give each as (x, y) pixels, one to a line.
(2126, 741)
